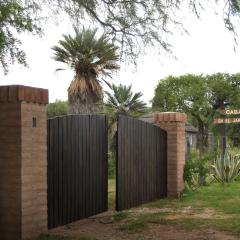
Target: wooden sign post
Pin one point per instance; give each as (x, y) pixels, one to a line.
(224, 142)
(226, 120)
(223, 122)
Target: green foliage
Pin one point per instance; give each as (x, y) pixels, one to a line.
(218, 198)
(92, 58)
(139, 24)
(58, 108)
(199, 97)
(85, 53)
(120, 216)
(15, 17)
(124, 101)
(135, 227)
(135, 25)
(142, 221)
(234, 151)
(121, 101)
(111, 166)
(196, 169)
(222, 198)
(227, 169)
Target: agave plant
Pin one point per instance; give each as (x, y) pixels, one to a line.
(226, 170)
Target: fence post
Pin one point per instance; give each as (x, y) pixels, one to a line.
(23, 162)
(174, 124)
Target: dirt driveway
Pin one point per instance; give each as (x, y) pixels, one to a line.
(102, 228)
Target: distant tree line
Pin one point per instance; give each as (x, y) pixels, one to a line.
(200, 97)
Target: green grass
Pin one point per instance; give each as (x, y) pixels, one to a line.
(231, 225)
(141, 222)
(54, 237)
(119, 216)
(111, 167)
(111, 194)
(223, 199)
(134, 227)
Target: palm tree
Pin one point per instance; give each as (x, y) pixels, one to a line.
(90, 58)
(123, 101)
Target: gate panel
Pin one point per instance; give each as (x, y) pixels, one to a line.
(77, 168)
(141, 163)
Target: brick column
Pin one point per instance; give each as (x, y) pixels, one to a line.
(23, 162)
(174, 124)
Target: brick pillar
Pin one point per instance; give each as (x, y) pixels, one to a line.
(174, 124)
(23, 162)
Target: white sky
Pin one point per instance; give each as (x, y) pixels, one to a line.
(208, 49)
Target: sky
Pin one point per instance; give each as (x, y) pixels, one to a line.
(208, 48)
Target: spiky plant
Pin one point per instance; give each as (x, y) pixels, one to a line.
(92, 59)
(123, 101)
(227, 170)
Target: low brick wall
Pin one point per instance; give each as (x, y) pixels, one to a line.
(23, 162)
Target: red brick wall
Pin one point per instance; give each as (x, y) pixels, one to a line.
(23, 162)
(174, 124)
(34, 170)
(10, 171)
(18, 93)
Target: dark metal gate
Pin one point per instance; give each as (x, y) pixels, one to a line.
(141, 163)
(77, 168)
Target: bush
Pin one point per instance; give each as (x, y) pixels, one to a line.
(58, 108)
(111, 166)
(197, 169)
(226, 170)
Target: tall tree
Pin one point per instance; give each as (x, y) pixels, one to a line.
(15, 17)
(199, 97)
(134, 24)
(90, 58)
(131, 24)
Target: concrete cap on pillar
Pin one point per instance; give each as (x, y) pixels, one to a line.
(19, 93)
(170, 117)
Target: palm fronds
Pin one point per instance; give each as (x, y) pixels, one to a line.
(123, 101)
(86, 54)
(92, 58)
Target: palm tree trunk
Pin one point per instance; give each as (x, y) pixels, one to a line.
(82, 98)
(76, 106)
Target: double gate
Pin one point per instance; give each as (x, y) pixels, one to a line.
(78, 166)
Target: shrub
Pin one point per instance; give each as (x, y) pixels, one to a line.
(226, 170)
(58, 108)
(111, 166)
(197, 169)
